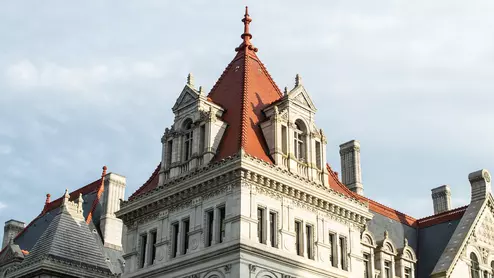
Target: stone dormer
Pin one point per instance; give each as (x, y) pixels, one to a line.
(293, 139)
(194, 137)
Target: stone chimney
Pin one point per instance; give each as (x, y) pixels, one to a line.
(351, 174)
(480, 182)
(441, 199)
(111, 227)
(11, 229)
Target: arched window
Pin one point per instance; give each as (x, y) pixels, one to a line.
(474, 267)
(188, 140)
(299, 140)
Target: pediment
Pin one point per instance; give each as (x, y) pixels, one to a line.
(301, 97)
(187, 97)
(10, 253)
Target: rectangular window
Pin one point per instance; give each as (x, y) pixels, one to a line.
(309, 237)
(260, 226)
(387, 269)
(318, 155)
(221, 224)
(174, 239)
(343, 253)
(367, 266)
(144, 242)
(210, 223)
(202, 141)
(185, 236)
(273, 228)
(298, 237)
(408, 273)
(283, 140)
(169, 152)
(332, 249)
(153, 247)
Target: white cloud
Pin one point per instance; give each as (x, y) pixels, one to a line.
(2, 205)
(5, 149)
(27, 75)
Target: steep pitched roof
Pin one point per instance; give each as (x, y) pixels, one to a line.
(149, 185)
(28, 237)
(243, 90)
(374, 206)
(70, 240)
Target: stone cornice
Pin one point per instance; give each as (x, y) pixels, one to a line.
(225, 175)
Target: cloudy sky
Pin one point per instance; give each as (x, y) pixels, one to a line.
(91, 83)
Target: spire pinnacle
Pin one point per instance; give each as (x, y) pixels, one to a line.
(190, 80)
(298, 80)
(47, 198)
(246, 36)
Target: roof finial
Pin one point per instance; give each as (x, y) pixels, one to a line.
(246, 36)
(66, 196)
(47, 199)
(298, 80)
(201, 90)
(285, 92)
(104, 171)
(190, 80)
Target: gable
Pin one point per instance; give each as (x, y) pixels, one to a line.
(300, 96)
(187, 97)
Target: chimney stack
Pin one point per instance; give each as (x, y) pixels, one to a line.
(480, 182)
(11, 229)
(111, 227)
(351, 174)
(441, 199)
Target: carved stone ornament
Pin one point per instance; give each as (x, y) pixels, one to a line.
(487, 177)
(228, 268)
(252, 268)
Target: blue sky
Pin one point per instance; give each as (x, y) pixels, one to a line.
(91, 83)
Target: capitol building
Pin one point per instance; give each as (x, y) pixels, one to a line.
(243, 190)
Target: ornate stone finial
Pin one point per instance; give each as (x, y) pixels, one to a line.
(386, 234)
(190, 80)
(47, 201)
(201, 90)
(104, 171)
(246, 36)
(276, 111)
(80, 201)
(405, 242)
(298, 80)
(66, 197)
(285, 91)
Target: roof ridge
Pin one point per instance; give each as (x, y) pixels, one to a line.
(243, 111)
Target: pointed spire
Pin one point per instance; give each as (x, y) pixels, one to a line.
(190, 80)
(285, 92)
(298, 80)
(246, 36)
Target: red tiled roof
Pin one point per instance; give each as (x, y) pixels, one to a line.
(150, 184)
(374, 206)
(244, 89)
(450, 215)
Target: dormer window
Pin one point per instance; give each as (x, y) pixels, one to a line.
(188, 140)
(299, 141)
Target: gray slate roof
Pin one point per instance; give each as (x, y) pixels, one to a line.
(69, 240)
